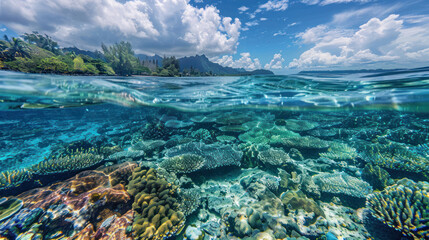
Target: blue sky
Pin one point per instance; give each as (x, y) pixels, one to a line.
(280, 35)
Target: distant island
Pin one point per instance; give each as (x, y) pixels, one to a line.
(370, 72)
(39, 53)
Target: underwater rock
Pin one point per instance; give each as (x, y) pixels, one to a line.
(403, 206)
(116, 228)
(19, 223)
(193, 233)
(8, 207)
(185, 163)
(156, 206)
(215, 155)
(119, 173)
(342, 183)
(294, 200)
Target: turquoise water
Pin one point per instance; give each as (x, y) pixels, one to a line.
(306, 156)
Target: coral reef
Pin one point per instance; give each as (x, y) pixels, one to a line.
(376, 176)
(274, 157)
(13, 179)
(65, 209)
(76, 160)
(215, 155)
(270, 134)
(157, 214)
(191, 200)
(300, 125)
(340, 151)
(8, 207)
(342, 183)
(184, 163)
(403, 206)
(307, 142)
(398, 157)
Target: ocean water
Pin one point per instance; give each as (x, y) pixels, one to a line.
(306, 156)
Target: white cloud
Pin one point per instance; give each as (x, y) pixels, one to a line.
(276, 62)
(3, 29)
(243, 9)
(279, 33)
(173, 27)
(275, 5)
(263, 19)
(245, 61)
(198, 1)
(252, 23)
(385, 41)
(327, 2)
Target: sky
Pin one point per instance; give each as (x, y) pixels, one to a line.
(280, 35)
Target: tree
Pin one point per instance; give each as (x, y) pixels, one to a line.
(121, 57)
(79, 65)
(42, 41)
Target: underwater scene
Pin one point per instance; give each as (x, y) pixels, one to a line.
(306, 156)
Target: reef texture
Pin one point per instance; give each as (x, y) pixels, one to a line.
(156, 206)
(403, 206)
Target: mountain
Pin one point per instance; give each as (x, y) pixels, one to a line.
(202, 64)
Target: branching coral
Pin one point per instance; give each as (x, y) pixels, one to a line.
(184, 163)
(273, 157)
(403, 206)
(340, 151)
(156, 206)
(397, 157)
(76, 160)
(11, 179)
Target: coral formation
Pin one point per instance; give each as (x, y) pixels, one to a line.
(12, 179)
(398, 157)
(300, 125)
(184, 163)
(376, 176)
(403, 206)
(155, 204)
(340, 151)
(191, 200)
(266, 134)
(76, 160)
(8, 207)
(307, 142)
(215, 155)
(342, 183)
(274, 157)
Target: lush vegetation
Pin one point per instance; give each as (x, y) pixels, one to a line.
(39, 53)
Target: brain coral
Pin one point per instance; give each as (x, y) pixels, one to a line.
(404, 206)
(156, 206)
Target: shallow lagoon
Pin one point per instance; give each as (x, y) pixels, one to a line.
(264, 157)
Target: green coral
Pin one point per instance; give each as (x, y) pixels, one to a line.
(398, 157)
(11, 179)
(8, 207)
(403, 206)
(300, 125)
(266, 134)
(273, 157)
(340, 151)
(74, 161)
(184, 163)
(157, 214)
(376, 176)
